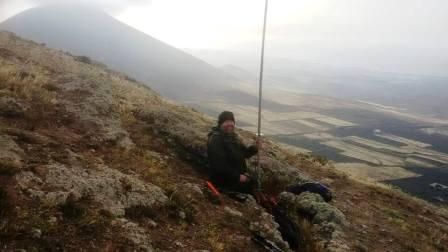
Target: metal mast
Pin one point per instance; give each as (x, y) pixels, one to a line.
(260, 91)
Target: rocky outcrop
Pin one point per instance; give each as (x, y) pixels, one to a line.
(113, 190)
(265, 224)
(94, 106)
(192, 190)
(134, 235)
(327, 220)
(11, 107)
(283, 174)
(175, 123)
(314, 206)
(268, 228)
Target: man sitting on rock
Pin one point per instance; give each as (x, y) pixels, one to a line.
(227, 156)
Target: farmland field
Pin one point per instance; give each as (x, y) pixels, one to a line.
(368, 141)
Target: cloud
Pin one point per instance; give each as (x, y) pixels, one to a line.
(11, 7)
(107, 5)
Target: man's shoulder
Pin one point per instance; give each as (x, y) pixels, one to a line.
(214, 135)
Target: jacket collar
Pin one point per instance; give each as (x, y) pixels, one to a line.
(226, 136)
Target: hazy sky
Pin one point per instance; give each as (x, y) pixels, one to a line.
(386, 35)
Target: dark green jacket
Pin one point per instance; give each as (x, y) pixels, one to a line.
(227, 157)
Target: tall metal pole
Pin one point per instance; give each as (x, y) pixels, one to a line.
(260, 92)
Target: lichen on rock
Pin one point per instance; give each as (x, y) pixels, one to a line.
(266, 226)
(112, 189)
(134, 235)
(314, 206)
(327, 220)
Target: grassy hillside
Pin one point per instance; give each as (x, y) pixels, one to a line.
(91, 160)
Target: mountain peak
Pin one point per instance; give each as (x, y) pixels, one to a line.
(83, 30)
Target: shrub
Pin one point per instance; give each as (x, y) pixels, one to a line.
(84, 59)
(72, 210)
(180, 203)
(130, 79)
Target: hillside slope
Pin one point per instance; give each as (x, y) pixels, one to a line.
(86, 31)
(90, 160)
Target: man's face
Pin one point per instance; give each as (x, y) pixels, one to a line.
(228, 126)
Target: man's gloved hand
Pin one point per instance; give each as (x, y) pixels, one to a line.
(245, 178)
(252, 150)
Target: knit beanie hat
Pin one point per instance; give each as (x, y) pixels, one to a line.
(224, 116)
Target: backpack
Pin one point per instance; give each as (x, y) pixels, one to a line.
(313, 187)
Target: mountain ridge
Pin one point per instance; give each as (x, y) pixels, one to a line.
(91, 32)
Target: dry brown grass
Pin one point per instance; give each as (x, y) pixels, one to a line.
(308, 238)
(33, 90)
(27, 85)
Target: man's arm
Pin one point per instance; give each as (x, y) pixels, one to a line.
(253, 149)
(249, 151)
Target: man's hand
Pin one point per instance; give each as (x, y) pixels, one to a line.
(243, 178)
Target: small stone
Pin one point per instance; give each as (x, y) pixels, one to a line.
(251, 203)
(53, 220)
(233, 212)
(355, 197)
(55, 198)
(179, 244)
(74, 196)
(361, 247)
(152, 223)
(36, 233)
(182, 215)
(146, 248)
(193, 189)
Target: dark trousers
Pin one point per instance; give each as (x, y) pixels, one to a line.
(246, 187)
